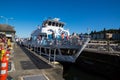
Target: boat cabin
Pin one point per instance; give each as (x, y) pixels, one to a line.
(51, 28)
(53, 22)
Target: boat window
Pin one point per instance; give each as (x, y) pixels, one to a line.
(59, 25)
(56, 24)
(49, 23)
(53, 24)
(62, 25)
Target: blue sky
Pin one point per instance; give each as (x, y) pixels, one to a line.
(77, 14)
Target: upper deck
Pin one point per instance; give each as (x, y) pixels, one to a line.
(50, 28)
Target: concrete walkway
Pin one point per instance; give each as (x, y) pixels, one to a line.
(24, 66)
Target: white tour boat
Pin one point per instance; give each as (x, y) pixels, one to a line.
(51, 39)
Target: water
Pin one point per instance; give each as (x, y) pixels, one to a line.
(74, 72)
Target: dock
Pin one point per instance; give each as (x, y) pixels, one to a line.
(26, 65)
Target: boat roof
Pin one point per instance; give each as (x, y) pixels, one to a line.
(52, 20)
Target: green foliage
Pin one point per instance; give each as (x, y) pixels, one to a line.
(106, 31)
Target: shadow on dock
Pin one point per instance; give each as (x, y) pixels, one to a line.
(37, 61)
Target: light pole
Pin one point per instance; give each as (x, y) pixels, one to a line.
(6, 19)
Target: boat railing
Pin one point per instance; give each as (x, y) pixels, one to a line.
(59, 42)
(80, 44)
(71, 42)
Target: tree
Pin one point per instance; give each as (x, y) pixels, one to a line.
(119, 31)
(95, 32)
(91, 33)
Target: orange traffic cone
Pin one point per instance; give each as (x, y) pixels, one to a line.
(3, 68)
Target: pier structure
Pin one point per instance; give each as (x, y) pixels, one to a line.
(27, 65)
